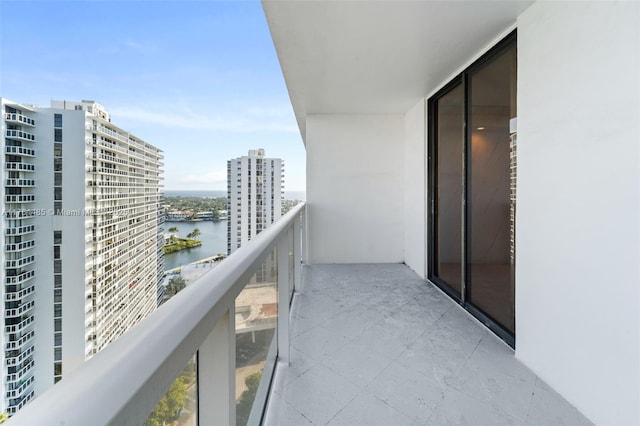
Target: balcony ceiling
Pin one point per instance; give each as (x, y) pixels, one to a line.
(368, 57)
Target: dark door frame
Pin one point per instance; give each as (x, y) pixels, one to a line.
(432, 113)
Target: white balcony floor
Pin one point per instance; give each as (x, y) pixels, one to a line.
(376, 345)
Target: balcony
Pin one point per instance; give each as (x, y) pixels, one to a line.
(19, 165)
(20, 390)
(18, 357)
(20, 183)
(19, 230)
(17, 312)
(375, 344)
(112, 133)
(19, 344)
(18, 328)
(20, 262)
(18, 247)
(367, 344)
(17, 377)
(28, 198)
(20, 135)
(19, 150)
(19, 295)
(12, 117)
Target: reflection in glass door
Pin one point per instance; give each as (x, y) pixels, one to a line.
(449, 111)
(491, 88)
(472, 188)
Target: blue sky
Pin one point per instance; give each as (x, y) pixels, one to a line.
(199, 79)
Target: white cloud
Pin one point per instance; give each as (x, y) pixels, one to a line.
(250, 120)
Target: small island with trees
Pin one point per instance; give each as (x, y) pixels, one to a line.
(175, 243)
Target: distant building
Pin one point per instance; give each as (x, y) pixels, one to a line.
(255, 187)
(83, 248)
(178, 216)
(204, 215)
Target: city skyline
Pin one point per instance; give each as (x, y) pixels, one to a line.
(200, 80)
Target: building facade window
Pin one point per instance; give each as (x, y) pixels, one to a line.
(57, 306)
(57, 178)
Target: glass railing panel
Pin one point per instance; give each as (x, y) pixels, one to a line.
(256, 317)
(178, 406)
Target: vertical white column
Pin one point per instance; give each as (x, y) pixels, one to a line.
(217, 374)
(283, 297)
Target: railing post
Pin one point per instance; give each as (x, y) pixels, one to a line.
(283, 297)
(216, 403)
(297, 254)
(303, 227)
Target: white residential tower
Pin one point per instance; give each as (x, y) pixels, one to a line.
(82, 252)
(255, 187)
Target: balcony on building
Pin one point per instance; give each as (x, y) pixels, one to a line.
(20, 135)
(367, 344)
(364, 333)
(19, 150)
(17, 118)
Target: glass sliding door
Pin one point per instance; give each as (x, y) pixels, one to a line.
(448, 165)
(491, 104)
(472, 188)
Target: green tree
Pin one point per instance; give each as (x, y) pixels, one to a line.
(168, 408)
(174, 231)
(197, 204)
(244, 404)
(176, 284)
(194, 234)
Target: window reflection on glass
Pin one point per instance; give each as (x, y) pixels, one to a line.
(256, 319)
(490, 266)
(449, 178)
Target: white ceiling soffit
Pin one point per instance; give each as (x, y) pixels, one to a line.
(363, 57)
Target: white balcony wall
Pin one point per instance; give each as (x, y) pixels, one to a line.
(578, 239)
(355, 188)
(415, 189)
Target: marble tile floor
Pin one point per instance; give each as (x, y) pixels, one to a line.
(373, 344)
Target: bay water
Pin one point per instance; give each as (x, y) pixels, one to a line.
(213, 235)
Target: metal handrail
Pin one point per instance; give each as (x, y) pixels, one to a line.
(122, 383)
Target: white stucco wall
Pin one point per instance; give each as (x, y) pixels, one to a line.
(355, 188)
(74, 245)
(415, 189)
(72, 248)
(578, 235)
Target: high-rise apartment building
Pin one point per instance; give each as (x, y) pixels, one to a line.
(255, 187)
(81, 225)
